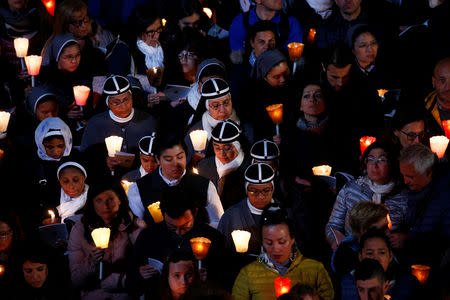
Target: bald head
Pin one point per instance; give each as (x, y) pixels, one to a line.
(441, 82)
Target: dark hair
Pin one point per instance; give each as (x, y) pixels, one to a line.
(338, 55)
(374, 233)
(175, 201)
(261, 26)
(370, 268)
(12, 220)
(364, 215)
(50, 138)
(407, 114)
(167, 140)
(35, 251)
(391, 155)
(273, 214)
(90, 218)
(298, 291)
(192, 41)
(187, 8)
(363, 28)
(142, 16)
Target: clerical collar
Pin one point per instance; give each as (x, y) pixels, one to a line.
(171, 182)
(121, 120)
(142, 171)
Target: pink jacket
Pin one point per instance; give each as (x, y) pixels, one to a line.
(85, 274)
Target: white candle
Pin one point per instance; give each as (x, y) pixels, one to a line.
(241, 239)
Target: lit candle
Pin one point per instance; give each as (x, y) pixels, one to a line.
(365, 142)
(311, 36)
(208, 12)
(2, 270)
(389, 221)
(438, 145)
(200, 248)
(33, 63)
(421, 272)
(4, 121)
(446, 126)
(126, 185)
(241, 239)
(199, 138)
(195, 170)
(381, 93)
(50, 6)
(163, 22)
(276, 114)
(154, 76)
(295, 51)
(324, 170)
(52, 216)
(81, 94)
(113, 144)
(101, 240)
(282, 285)
(155, 70)
(21, 47)
(155, 211)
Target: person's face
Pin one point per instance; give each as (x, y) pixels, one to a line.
(17, 4)
(221, 108)
(188, 61)
(263, 40)
(376, 248)
(149, 163)
(180, 225)
(365, 48)
(271, 4)
(338, 77)
(312, 102)
(371, 289)
(348, 7)
(225, 152)
(277, 242)
(411, 133)
(278, 75)
(260, 195)
(80, 26)
(441, 83)
(47, 109)
(181, 276)
(106, 205)
(173, 162)
(35, 274)
(72, 182)
(191, 21)
(69, 60)
(152, 33)
(377, 166)
(121, 105)
(413, 179)
(55, 147)
(6, 236)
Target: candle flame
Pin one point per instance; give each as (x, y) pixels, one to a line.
(195, 171)
(446, 126)
(389, 221)
(163, 22)
(381, 92)
(208, 12)
(324, 170)
(2, 270)
(51, 213)
(50, 6)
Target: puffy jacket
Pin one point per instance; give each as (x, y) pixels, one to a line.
(256, 280)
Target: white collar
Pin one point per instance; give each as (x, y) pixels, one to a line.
(171, 182)
(224, 169)
(254, 210)
(121, 120)
(142, 171)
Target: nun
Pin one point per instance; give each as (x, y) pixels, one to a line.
(147, 158)
(72, 178)
(226, 168)
(246, 215)
(120, 120)
(218, 107)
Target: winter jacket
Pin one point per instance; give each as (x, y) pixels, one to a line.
(256, 280)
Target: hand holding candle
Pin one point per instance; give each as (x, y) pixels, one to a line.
(365, 142)
(276, 114)
(241, 239)
(323, 170)
(199, 139)
(282, 286)
(438, 145)
(101, 240)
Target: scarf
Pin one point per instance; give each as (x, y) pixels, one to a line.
(321, 7)
(23, 23)
(224, 169)
(208, 122)
(69, 206)
(377, 189)
(41, 131)
(154, 56)
(281, 268)
(194, 96)
(304, 125)
(121, 120)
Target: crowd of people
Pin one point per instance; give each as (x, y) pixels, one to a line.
(124, 159)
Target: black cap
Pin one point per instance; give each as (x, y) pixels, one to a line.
(226, 132)
(146, 144)
(259, 173)
(265, 150)
(214, 88)
(116, 85)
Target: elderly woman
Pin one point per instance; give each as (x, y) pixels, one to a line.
(279, 257)
(106, 206)
(379, 184)
(246, 215)
(226, 168)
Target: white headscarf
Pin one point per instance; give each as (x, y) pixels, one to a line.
(224, 169)
(154, 56)
(49, 127)
(321, 7)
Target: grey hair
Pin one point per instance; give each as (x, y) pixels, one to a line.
(420, 156)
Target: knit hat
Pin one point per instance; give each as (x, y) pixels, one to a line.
(264, 150)
(146, 144)
(214, 88)
(116, 85)
(266, 61)
(226, 132)
(259, 173)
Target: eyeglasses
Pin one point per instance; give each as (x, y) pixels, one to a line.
(153, 32)
(216, 106)
(183, 228)
(79, 23)
(4, 235)
(117, 103)
(71, 57)
(376, 161)
(264, 192)
(367, 46)
(187, 55)
(225, 149)
(411, 136)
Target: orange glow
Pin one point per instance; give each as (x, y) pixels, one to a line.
(389, 221)
(295, 50)
(365, 142)
(311, 36)
(421, 272)
(195, 171)
(200, 247)
(81, 94)
(126, 185)
(50, 6)
(275, 113)
(324, 170)
(33, 63)
(446, 126)
(208, 12)
(438, 145)
(282, 285)
(2, 270)
(155, 211)
(381, 92)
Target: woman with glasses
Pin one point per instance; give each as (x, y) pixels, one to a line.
(380, 183)
(409, 126)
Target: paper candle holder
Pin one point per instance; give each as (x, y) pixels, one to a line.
(4, 121)
(421, 272)
(324, 170)
(199, 139)
(438, 145)
(295, 50)
(275, 112)
(241, 239)
(155, 211)
(381, 92)
(126, 185)
(365, 142)
(113, 144)
(282, 285)
(81, 94)
(200, 247)
(446, 126)
(101, 237)
(21, 47)
(33, 63)
(50, 6)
